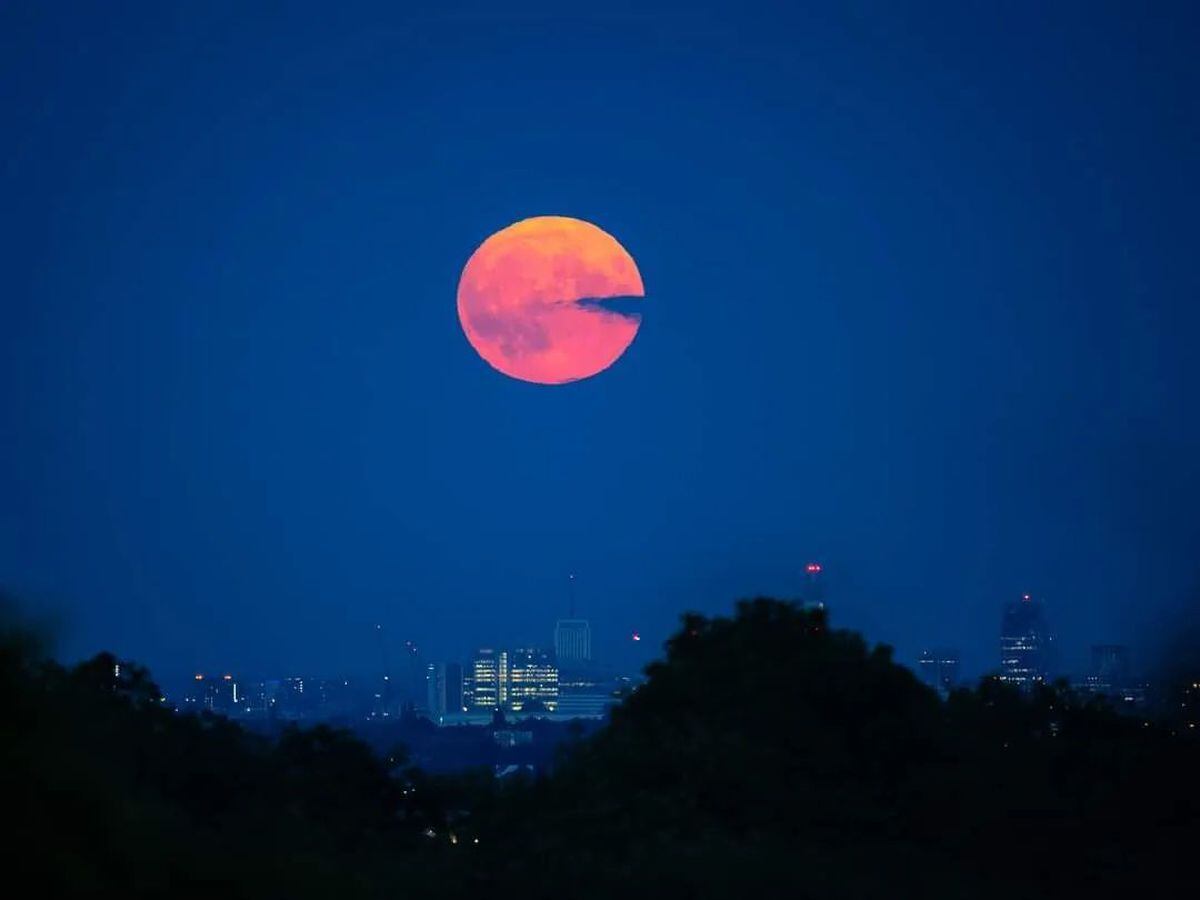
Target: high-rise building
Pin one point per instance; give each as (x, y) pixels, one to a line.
(489, 679)
(216, 694)
(532, 680)
(412, 686)
(253, 699)
(572, 643)
(468, 688)
(1110, 668)
(203, 695)
(939, 669)
(1111, 676)
(813, 594)
(444, 689)
(512, 679)
(435, 690)
(1024, 643)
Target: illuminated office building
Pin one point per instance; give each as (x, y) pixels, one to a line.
(489, 679)
(1024, 643)
(532, 678)
(512, 679)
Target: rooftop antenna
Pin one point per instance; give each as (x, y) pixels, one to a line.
(571, 590)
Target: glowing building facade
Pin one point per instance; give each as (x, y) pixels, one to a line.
(489, 677)
(512, 679)
(532, 679)
(1024, 643)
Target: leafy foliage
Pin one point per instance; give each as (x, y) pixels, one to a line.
(766, 753)
(115, 794)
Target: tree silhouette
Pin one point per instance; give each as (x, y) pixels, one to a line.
(765, 753)
(768, 752)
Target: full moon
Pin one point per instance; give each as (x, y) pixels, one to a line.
(530, 300)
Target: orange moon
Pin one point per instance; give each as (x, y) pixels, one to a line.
(526, 300)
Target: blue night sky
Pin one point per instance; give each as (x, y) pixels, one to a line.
(921, 304)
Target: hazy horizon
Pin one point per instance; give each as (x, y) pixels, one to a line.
(920, 304)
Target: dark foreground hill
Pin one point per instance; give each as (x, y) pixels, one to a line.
(765, 755)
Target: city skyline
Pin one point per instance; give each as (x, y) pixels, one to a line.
(927, 318)
(1028, 654)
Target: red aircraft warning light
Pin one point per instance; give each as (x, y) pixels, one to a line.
(813, 568)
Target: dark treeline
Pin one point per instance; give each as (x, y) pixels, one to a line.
(766, 754)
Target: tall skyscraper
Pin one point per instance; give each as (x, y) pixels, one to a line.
(489, 679)
(813, 594)
(572, 643)
(444, 689)
(1024, 643)
(939, 670)
(532, 679)
(412, 678)
(1111, 672)
(207, 694)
